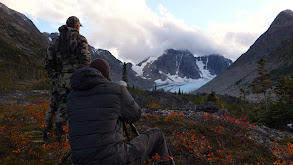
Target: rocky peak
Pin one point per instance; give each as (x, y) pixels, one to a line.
(53, 35)
(5, 8)
(175, 62)
(171, 53)
(283, 19)
(19, 17)
(14, 24)
(215, 63)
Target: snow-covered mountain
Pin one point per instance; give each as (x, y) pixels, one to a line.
(176, 69)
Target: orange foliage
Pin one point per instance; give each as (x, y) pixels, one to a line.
(17, 124)
(15, 119)
(153, 105)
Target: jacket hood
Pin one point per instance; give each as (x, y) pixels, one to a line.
(86, 78)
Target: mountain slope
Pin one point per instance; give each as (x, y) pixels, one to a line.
(275, 46)
(22, 48)
(20, 34)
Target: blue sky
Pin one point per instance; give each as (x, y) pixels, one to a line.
(133, 30)
(204, 12)
(197, 13)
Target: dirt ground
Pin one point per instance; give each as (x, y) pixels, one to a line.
(23, 97)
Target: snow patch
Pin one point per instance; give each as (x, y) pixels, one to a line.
(174, 82)
(139, 69)
(204, 73)
(178, 64)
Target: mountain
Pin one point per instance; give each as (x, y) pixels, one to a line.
(179, 68)
(22, 48)
(275, 46)
(171, 70)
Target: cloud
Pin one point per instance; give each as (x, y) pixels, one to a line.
(138, 33)
(133, 32)
(235, 38)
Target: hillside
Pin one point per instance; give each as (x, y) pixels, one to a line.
(275, 46)
(22, 48)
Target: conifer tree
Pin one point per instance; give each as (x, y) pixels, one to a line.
(124, 76)
(261, 84)
(179, 92)
(243, 94)
(280, 112)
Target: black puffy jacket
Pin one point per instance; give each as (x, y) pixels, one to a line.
(95, 108)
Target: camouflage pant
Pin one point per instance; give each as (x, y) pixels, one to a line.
(51, 113)
(60, 87)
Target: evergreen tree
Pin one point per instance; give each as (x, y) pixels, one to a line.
(261, 84)
(281, 111)
(243, 94)
(124, 76)
(179, 92)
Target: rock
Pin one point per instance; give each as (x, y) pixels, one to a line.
(53, 35)
(266, 136)
(209, 106)
(222, 111)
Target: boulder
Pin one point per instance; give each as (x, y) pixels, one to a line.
(209, 106)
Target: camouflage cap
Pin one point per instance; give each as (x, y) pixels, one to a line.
(72, 21)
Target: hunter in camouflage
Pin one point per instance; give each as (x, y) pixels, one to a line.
(66, 53)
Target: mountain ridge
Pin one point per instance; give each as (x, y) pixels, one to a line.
(275, 46)
(22, 48)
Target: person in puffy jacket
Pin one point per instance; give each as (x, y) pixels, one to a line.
(97, 108)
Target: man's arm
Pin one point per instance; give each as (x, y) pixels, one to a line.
(84, 55)
(130, 109)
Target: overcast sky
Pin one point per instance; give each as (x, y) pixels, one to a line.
(133, 30)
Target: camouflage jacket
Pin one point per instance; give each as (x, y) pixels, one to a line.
(67, 52)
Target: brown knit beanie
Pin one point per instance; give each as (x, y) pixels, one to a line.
(103, 66)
